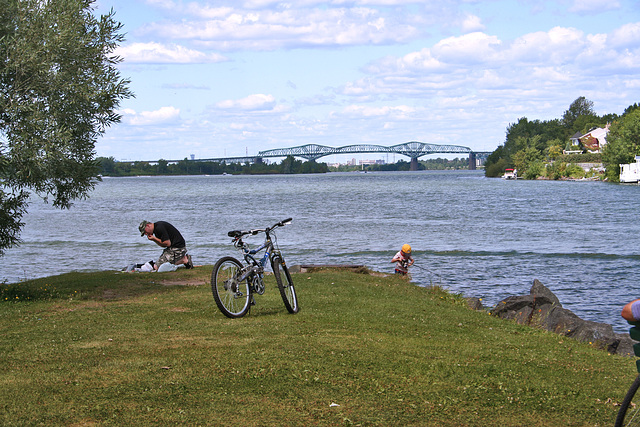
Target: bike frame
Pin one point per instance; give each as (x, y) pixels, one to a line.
(268, 246)
(254, 268)
(248, 254)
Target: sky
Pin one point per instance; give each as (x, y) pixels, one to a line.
(236, 77)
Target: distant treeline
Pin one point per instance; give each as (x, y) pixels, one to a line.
(402, 165)
(111, 167)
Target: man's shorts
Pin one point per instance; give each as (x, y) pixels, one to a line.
(172, 255)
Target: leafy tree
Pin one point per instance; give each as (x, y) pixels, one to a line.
(528, 161)
(630, 108)
(555, 170)
(59, 89)
(163, 166)
(497, 168)
(290, 165)
(580, 107)
(623, 143)
(554, 150)
(108, 165)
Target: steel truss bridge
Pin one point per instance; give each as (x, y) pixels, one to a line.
(312, 152)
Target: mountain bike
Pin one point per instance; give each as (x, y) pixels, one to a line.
(234, 284)
(629, 413)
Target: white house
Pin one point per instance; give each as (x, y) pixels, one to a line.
(595, 139)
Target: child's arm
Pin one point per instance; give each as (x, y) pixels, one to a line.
(627, 311)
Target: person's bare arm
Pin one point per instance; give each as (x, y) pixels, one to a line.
(162, 244)
(627, 314)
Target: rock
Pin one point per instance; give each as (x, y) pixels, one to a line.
(565, 322)
(539, 289)
(625, 347)
(542, 308)
(522, 308)
(475, 303)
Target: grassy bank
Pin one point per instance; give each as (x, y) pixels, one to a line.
(153, 349)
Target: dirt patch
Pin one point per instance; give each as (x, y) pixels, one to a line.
(185, 282)
(310, 268)
(110, 294)
(379, 274)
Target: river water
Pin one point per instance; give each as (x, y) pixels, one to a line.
(481, 237)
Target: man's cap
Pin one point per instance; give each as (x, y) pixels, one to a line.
(143, 224)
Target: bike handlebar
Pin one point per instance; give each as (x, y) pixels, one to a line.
(236, 234)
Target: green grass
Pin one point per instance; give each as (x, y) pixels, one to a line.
(147, 349)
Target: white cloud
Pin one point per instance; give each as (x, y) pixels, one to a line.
(208, 12)
(533, 66)
(472, 23)
(593, 6)
(256, 102)
(231, 29)
(163, 115)
(165, 4)
(558, 45)
(474, 47)
(398, 112)
(627, 36)
(156, 53)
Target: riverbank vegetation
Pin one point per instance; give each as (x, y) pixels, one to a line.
(535, 147)
(402, 165)
(110, 167)
(153, 349)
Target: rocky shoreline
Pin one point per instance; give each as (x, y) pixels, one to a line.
(541, 308)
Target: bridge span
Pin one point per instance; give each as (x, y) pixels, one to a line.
(312, 152)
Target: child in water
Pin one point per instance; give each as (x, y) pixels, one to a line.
(403, 260)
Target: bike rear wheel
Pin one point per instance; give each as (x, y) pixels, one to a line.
(285, 284)
(629, 413)
(232, 297)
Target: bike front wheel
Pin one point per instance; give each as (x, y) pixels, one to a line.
(629, 413)
(285, 284)
(232, 297)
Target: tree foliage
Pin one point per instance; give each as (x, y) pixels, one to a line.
(581, 107)
(109, 167)
(529, 144)
(623, 143)
(59, 92)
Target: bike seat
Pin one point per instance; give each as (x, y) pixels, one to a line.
(235, 234)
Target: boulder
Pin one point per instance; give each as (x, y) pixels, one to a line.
(625, 347)
(542, 308)
(475, 303)
(522, 308)
(541, 290)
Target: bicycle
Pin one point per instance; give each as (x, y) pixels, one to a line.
(629, 413)
(234, 284)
